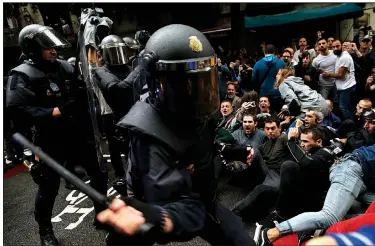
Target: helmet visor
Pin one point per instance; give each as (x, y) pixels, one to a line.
(115, 54)
(193, 93)
(48, 38)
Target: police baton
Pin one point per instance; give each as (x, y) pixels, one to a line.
(63, 172)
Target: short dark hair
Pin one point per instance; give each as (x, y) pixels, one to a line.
(270, 49)
(320, 39)
(316, 133)
(249, 115)
(273, 119)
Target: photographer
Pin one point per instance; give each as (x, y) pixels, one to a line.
(305, 179)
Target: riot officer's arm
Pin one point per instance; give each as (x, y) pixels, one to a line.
(109, 82)
(20, 99)
(162, 182)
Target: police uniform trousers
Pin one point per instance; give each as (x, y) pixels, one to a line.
(66, 146)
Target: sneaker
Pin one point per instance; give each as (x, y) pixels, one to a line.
(272, 220)
(263, 239)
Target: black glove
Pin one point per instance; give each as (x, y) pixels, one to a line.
(153, 214)
(68, 108)
(147, 59)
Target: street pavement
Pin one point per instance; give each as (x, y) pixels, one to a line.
(73, 213)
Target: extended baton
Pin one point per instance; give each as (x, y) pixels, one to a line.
(63, 172)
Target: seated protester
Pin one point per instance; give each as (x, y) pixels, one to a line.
(305, 179)
(349, 177)
(249, 135)
(331, 120)
(264, 111)
(265, 165)
(234, 155)
(293, 88)
(354, 137)
(307, 72)
(231, 94)
(227, 116)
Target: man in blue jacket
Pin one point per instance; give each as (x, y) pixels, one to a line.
(264, 76)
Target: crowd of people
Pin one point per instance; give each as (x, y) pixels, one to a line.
(296, 133)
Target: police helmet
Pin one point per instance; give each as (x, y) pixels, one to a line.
(142, 37)
(185, 74)
(35, 38)
(113, 50)
(132, 47)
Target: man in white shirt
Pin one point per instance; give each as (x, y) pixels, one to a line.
(345, 79)
(326, 61)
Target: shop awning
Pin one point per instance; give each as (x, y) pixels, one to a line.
(304, 15)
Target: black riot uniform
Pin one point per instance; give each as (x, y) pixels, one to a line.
(172, 138)
(38, 95)
(118, 93)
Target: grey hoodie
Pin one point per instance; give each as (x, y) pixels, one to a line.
(309, 99)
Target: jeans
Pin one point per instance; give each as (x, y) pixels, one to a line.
(346, 185)
(346, 103)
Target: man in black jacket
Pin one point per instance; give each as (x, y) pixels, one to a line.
(305, 179)
(265, 164)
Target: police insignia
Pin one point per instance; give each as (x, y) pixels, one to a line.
(195, 44)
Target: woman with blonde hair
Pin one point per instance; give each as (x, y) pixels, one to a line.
(292, 87)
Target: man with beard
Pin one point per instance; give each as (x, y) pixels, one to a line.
(307, 72)
(344, 79)
(287, 58)
(325, 62)
(231, 94)
(249, 135)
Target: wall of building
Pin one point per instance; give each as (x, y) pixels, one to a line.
(349, 27)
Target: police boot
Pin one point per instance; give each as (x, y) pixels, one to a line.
(119, 184)
(47, 237)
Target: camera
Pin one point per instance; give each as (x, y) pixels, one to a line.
(335, 148)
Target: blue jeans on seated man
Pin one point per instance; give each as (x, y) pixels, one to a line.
(346, 186)
(346, 103)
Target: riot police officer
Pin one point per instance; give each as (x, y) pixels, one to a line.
(171, 150)
(118, 93)
(37, 94)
